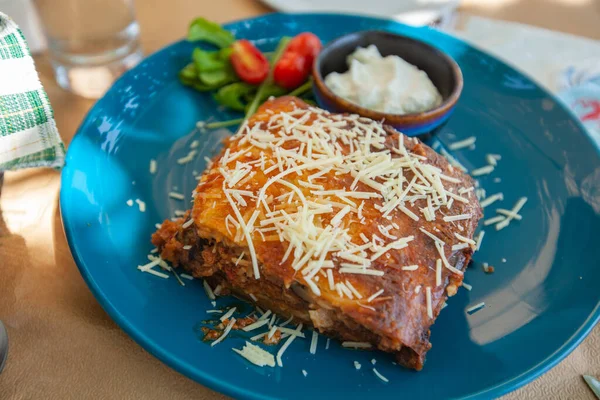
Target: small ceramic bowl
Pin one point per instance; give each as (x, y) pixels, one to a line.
(443, 71)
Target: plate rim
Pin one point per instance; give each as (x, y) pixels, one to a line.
(224, 387)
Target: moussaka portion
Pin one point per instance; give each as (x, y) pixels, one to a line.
(334, 219)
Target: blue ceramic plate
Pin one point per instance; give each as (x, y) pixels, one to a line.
(541, 302)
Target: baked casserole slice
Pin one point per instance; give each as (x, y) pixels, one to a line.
(337, 220)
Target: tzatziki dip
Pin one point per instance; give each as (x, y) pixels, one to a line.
(385, 84)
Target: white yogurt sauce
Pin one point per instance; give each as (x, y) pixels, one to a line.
(385, 84)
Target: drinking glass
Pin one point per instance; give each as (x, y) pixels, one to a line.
(90, 42)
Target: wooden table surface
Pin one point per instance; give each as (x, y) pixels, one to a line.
(63, 345)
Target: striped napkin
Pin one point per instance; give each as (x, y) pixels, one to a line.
(28, 134)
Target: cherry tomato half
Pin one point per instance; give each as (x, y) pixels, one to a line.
(248, 62)
(291, 70)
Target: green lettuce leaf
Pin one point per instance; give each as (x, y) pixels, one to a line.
(235, 95)
(207, 31)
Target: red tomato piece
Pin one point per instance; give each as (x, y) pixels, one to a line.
(306, 44)
(291, 70)
(248, 62)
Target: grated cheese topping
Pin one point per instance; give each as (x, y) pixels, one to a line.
(318, 169)
(428, 299)
(460, 246)
(457, 217)
(375, 295)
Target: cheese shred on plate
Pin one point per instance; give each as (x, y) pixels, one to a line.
(141, 205)
(228, 314)
(383, 378)
(515, 211)
(208, 290)
(255, 325)
(313, 342)
(176, 196)
(461, 144)
(152, 166)
(286, 345)
(225, 332)
(488, 169)
(491, 199)
(256, 355)
(476, 307)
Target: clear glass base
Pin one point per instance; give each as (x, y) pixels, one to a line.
(94, 79)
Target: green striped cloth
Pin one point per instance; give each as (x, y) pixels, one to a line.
(28, 134)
